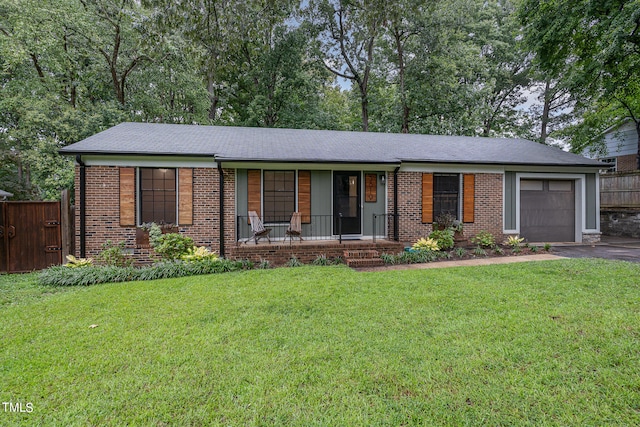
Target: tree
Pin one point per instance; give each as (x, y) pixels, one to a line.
(601, 43)
(346, 41)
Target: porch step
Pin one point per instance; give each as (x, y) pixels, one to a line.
(362, 258)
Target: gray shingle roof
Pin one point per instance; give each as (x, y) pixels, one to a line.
(320, 146)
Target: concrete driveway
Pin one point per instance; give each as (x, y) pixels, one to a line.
(617, 248)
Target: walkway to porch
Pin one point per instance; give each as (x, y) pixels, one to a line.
(279, 252)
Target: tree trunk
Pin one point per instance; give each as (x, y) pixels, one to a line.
(544, 120)
(364, 104)
(213, 97)
(403, 94)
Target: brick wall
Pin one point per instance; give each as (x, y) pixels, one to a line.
(103, 211)
(103, 216)
(279, 254)
(488, 206)
(627, 163)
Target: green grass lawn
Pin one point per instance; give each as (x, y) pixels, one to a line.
(544, 343)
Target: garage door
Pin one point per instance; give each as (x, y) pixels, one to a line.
(547, 210)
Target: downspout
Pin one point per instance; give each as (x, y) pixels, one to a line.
(221, 204)
(83, 205)
(395, 204)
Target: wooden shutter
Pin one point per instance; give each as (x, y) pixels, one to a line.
(127, 197)
(304, 196)
(185, 196)
(254, 191)
(427, 197)
(468, 197)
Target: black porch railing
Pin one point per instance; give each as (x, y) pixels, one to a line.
(319, 227)
(385, 224)
(314, 227)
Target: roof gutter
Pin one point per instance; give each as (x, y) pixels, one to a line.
(83, 206)
(395, 204)
(364, 162)
(64, 152)
(221, 206)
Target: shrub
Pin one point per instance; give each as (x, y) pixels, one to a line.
(73, 262)
(478, 251)
(264, 264)
(294, 262)
(199, 254)
(416, 257)
(547, 247)
(460, 252)
(534, 249)
(498, 250)
(89, 275)
(113, 254)
(484, 239)
(426, 245)
(444, 220)
(92, 275)
(444, 238)
(171, 246)
(321, 260)
(388, 258)
(154, 232)
(514, 241)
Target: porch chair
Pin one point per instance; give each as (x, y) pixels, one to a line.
(259, 230)
(295, 227)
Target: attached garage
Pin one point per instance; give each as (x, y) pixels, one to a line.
(548, 210)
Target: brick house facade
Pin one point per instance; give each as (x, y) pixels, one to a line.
(487, 180)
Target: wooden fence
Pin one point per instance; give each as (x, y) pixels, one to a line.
(620, 190)
(35, 235)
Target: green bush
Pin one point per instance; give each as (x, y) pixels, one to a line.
(113, 254)
(73, 262)
(444, 238)
(321, 260)
(478, 251)
(426, 245)
(92, 275)
(460, 252)
(409, 257)
(390, 259)
(484, 239)
(199, 254)
(171, 246)
(294, 262)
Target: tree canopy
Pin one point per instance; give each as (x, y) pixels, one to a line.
(539, 69)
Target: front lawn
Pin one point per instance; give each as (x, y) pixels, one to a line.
(542, 343)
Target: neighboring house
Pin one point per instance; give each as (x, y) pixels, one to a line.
(619, 149)
(349, 185)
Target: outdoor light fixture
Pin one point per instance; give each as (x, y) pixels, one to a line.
(382, 179)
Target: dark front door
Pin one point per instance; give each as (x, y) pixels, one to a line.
(346, 201)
